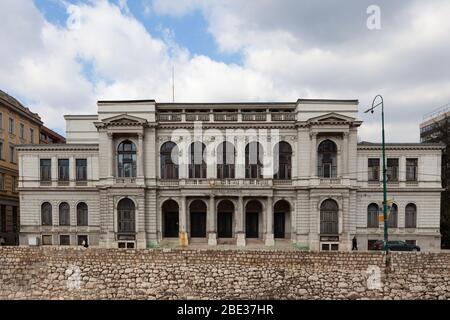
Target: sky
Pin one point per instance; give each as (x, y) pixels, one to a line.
(60, 56)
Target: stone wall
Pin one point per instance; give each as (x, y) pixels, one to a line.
(78, 273)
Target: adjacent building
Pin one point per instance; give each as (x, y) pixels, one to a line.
(18, 125)
(141, 173)
(48, 136)
(435, 128)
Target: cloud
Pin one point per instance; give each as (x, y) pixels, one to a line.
(289, 49)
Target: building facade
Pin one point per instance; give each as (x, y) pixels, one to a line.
(141, 173)
(435, 128)
(18, 125)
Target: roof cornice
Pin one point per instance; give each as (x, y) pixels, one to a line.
(58, 147)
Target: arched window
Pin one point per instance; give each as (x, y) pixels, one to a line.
(46, 214)
(169, 160)
(411, 216)
(372, 216)
(282, 161)
(254, 154)
(126, 216)
(329, 219)
(327, 165)
(393, 217)
(126, 155)
(64, 214)
(225, 160)
(82, 214)
(197, 164)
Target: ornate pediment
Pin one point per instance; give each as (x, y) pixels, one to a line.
(331, 118)
(122, 120)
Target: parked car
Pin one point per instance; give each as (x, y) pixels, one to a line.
(395, 245)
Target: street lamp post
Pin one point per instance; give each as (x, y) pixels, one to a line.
(383, 147)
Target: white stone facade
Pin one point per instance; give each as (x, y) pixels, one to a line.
(108, 183)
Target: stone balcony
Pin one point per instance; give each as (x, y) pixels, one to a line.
(226, 116)
(230, 183)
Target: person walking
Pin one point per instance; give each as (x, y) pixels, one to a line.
(354, 243)
(2, 241)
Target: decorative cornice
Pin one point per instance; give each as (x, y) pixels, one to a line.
(58, 147)
(401, 147)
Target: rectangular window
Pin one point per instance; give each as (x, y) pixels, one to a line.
(12, 154)
(374, 169)
(63, 169)
(47, 240)
(46, 169)
(411, 169)
(392, 169)
(2, 181)
(81, 169)
(22, 131)
(31, 136)
(64, 240)
(14, 184)
(3, 218)
(11, 128)
(1, 120)
(1, 150)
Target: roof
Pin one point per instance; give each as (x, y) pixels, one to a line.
(53, 133)
(230, 104)
(13, 102)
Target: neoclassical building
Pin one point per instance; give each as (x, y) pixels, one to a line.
(140, 173)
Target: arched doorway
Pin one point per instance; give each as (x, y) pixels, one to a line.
(225, 211)
(253, 211)
(254, 156)
(226, 154)
(282, 220)
(170, 219)
(197, 212)
(197, 163)
(126, 159)
(329, 218)
(283, 161)
(126, 216)
(169, 160)
(327, 159)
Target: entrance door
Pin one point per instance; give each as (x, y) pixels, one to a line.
(225, 224)
(251, 225)
(198, 225)
(171, 224)
(279, 225)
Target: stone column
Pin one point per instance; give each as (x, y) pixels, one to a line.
(211, 219)
(240, 215)
(54, 170)
(183, 223)
(313, 168)
(345, 155)
(240, 157)
(269, 223)
(140, 156)
(111, 154)
(72, 170)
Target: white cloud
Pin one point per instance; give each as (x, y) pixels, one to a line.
(290, 50)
